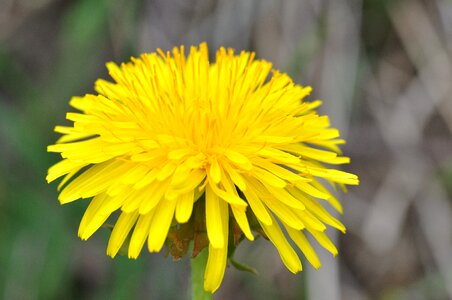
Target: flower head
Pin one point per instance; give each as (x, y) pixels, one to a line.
(229, 145)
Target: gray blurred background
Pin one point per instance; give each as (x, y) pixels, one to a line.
(383, 69)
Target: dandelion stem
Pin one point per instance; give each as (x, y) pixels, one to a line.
(198, 265)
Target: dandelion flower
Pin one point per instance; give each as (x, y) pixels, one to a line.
(176, 136)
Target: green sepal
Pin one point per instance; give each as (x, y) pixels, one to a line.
(242, 267)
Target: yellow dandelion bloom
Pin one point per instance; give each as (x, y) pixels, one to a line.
(173, 131)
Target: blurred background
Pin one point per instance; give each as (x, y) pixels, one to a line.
(383, 69)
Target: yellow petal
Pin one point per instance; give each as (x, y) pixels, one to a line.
(238, 159)
(180, 175)
(215, 171)
(257, 206)
(311, 190)
(179, 153)
(269, 178)
(216, 262)
(317, 154)
(92, 220)
(140, 233)
(120, 231)
(166, 171)
(280, 172)
(278, 155)
(62, 168)
(160, 225)
(216, 215)
(285, 250)
(193, 179)
(91, 182)
(216, 265)
(310, 220)
(285, 197)
(242, 220)
(235, 176)
(318, 210)
(283, 212)
(112, 203)
(155, 195)
(229, 197)
(134, 199)
(80, 103)
(135, 174)
(67, 178)
(146, 179)
(331, 199)
(324, 240)
(336, 175)
(184, 207)
(302, 242)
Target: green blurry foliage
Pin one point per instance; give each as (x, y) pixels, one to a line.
(38, 237)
